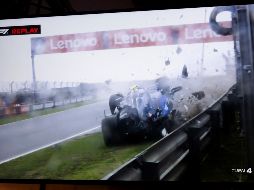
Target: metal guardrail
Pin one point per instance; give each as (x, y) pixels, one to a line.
(178, 155)
(25, 108)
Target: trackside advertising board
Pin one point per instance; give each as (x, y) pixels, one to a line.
(130, 38)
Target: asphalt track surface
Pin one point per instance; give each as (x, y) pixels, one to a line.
(26, 136)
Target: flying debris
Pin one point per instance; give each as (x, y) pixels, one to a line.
(181, 16)
(178, 50)
(162, 83)
(186, 107)
(199, 95)
(184, 72)
(215, 50)
(108, 81)
(167, 62)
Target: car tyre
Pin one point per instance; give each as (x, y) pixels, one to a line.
(109, 130)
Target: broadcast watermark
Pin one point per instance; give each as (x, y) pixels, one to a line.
(249, 170)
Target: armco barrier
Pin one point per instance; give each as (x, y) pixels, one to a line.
(25, 108)
(59, 103)
(178, 155)
(37, 107)
(49, 105)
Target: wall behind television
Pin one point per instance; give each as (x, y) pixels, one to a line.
(33, 8)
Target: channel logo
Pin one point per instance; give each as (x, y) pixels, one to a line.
(20, 30)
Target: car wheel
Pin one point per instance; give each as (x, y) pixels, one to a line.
(109, 130)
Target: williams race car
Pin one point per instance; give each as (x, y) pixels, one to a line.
(140, 115)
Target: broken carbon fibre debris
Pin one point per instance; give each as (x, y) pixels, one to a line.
(167, 62)
(178, 50)
(184, 72)
(199, 95)
(108, 81)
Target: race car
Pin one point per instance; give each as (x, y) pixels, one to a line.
(141, 114)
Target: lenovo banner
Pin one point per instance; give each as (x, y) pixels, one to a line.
(128, 38)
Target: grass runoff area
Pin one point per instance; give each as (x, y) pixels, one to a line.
(45, 111)
(84, 158)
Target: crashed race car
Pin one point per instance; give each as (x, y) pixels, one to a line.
(140, 115)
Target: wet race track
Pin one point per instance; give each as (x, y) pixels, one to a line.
(25, 136)
(22, 137)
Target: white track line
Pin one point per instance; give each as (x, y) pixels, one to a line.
(51, 144)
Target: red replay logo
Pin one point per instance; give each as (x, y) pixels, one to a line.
(20, 30)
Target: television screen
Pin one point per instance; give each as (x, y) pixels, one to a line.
(82, 95)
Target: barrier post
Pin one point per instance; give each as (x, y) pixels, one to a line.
(194, 157)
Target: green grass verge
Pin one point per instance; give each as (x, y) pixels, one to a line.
(46, 111)
(79, 159)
